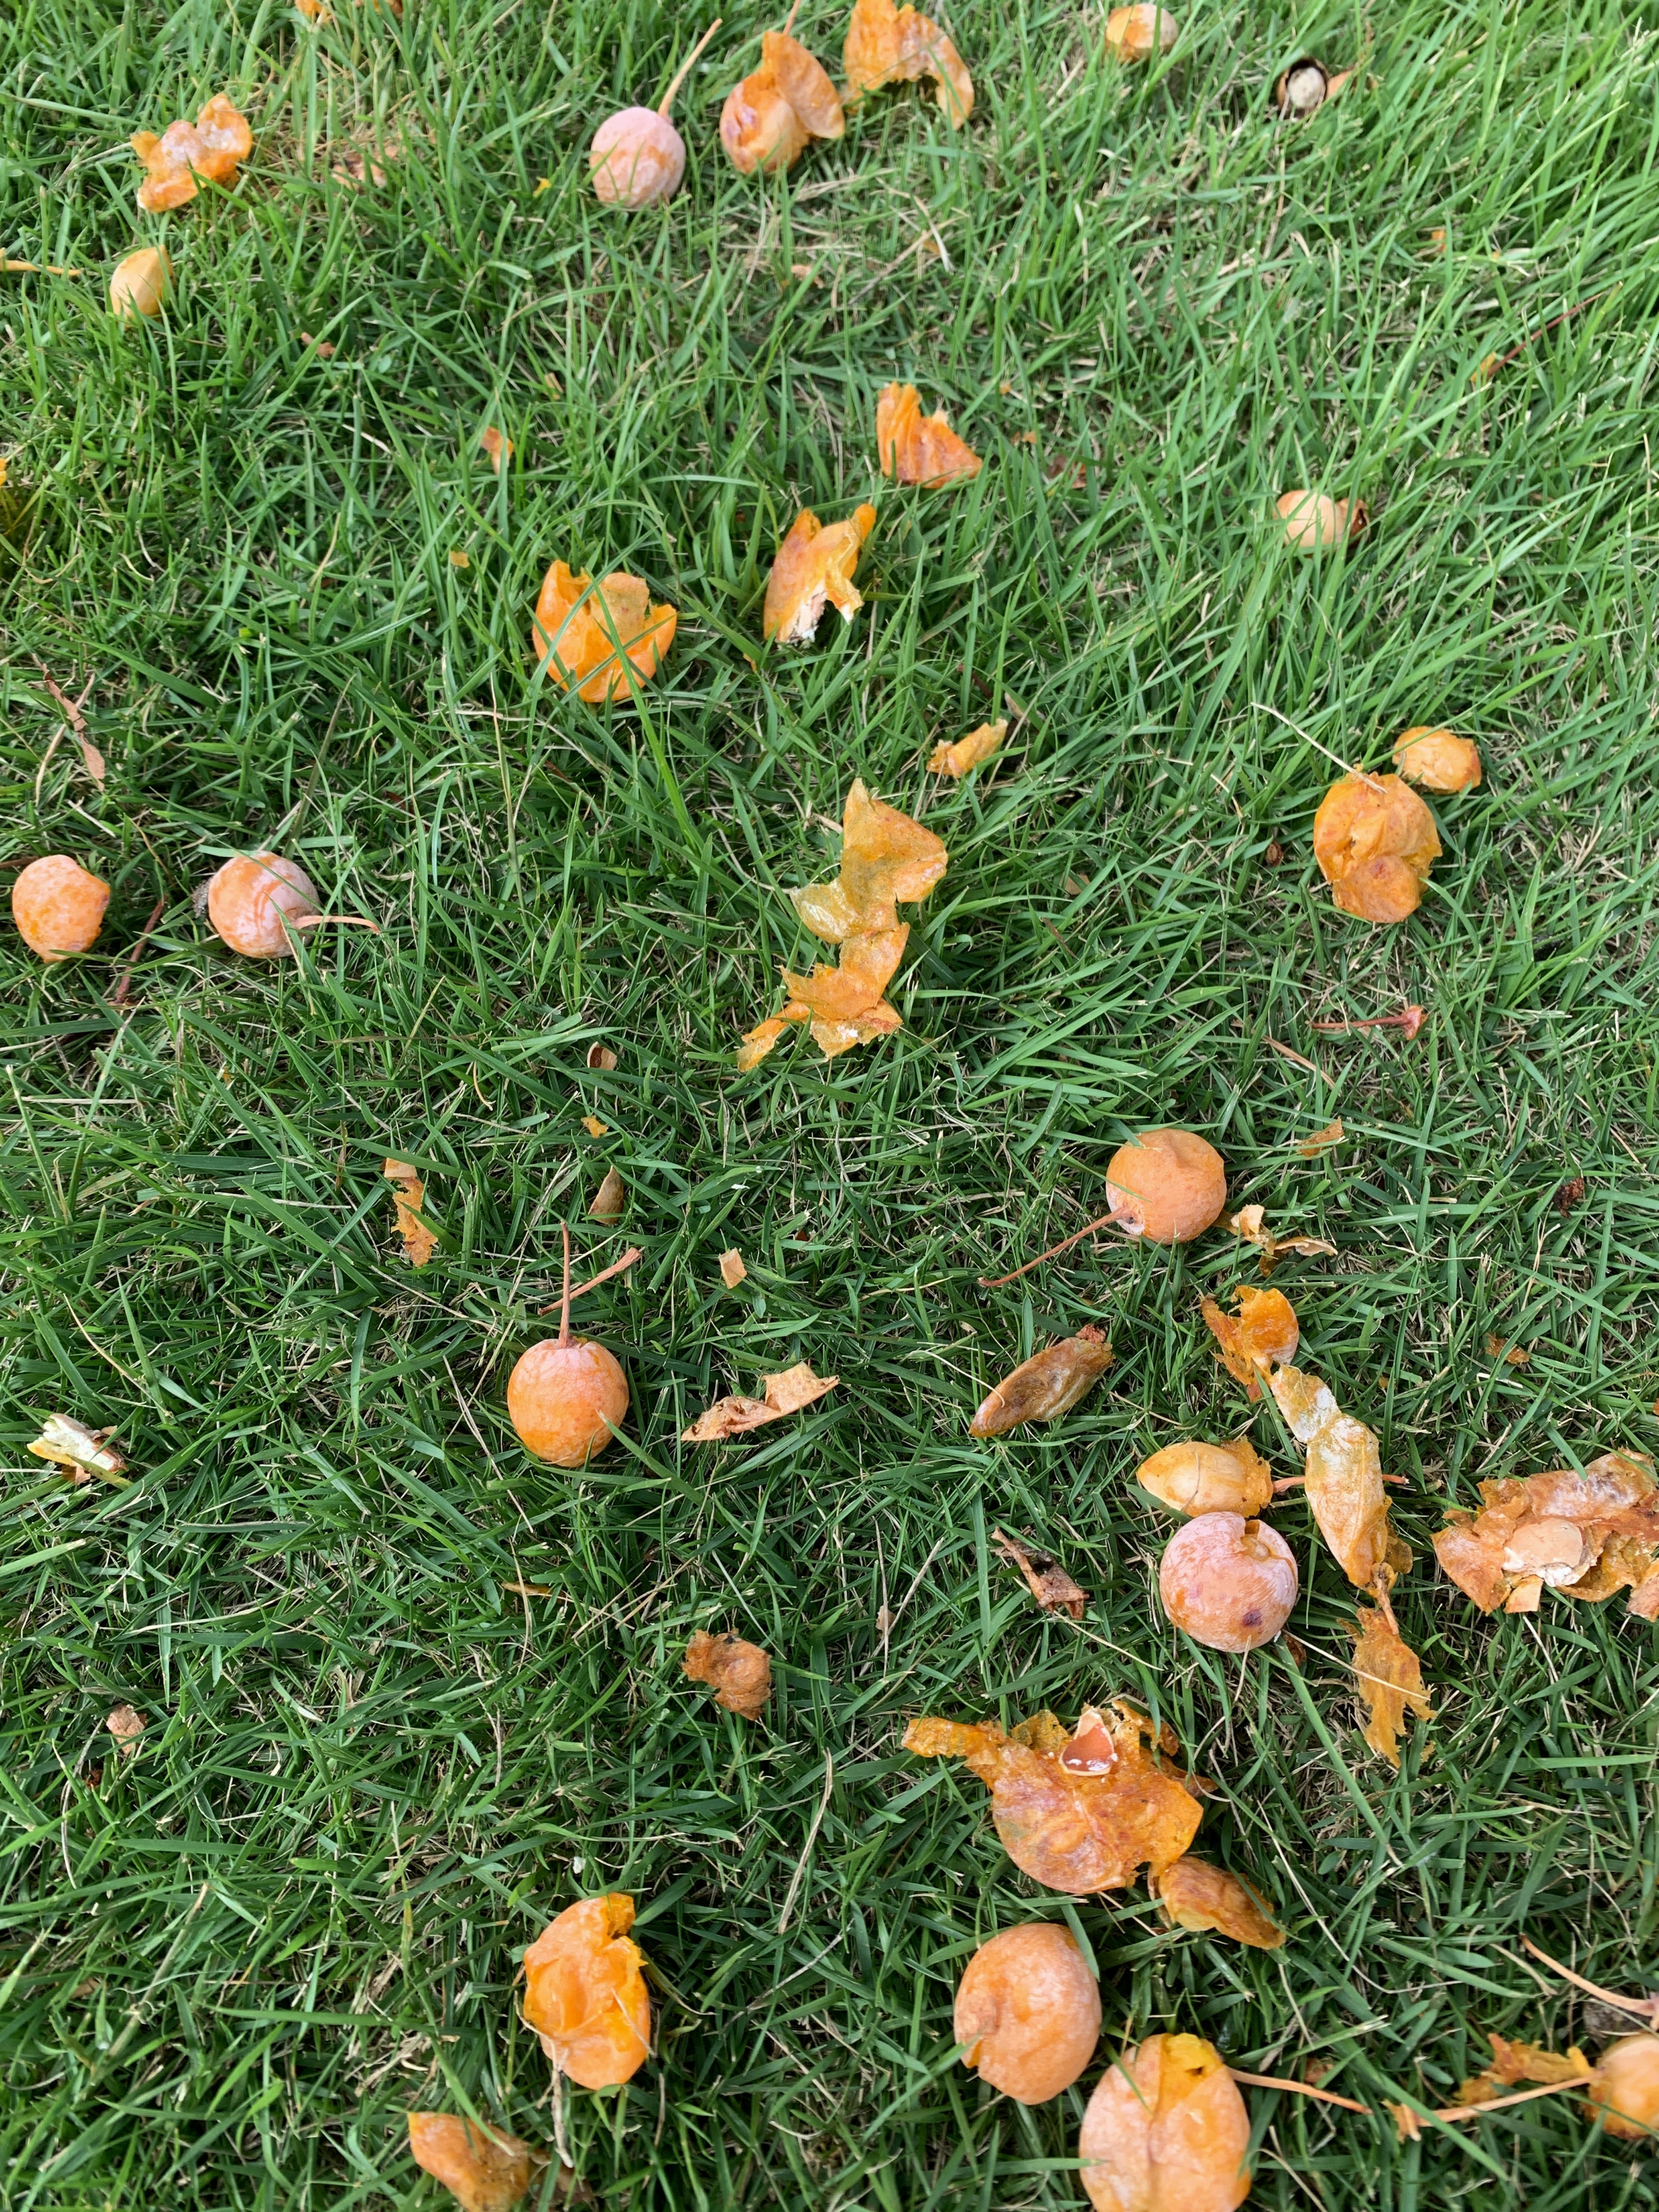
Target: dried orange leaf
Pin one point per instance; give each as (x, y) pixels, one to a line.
(599, 638)
(732, 1271)
(1263, 1333)
(740, 1673)
(1321, 1141)
(584, 1995)
(1250, 1222)
(408, 1191)
(214, 146)
(1081, 1812)
(1205, 1898)
(1047, 1580)
(814, 568)
(1390, 1680)
(1587, 1535)
(1375, 841)
(609, 1199)
(1045, 1386)
(127, 1724)
(1511, 1354)
(483, 2169)
(1515, 2062)
(499, 447)
(85, 1452)
(1437, 760)
(920, 449)
(1345, 1479)
(887, 44)
(769, 119)
(967, 752)
(785, 1393)
(1196, 1478)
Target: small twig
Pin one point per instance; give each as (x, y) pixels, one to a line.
(133, 957)
(799, 1875)
(684, 68)
(75, 720)
(1409, 1021)
(35, 268)
(1644, 2008)
(634, 1252)
(1497, 2104)
(1285, 1053)
(1493, 363)
(789, 20)
(1261, 706)
(996, 1282)
(1300, 2089)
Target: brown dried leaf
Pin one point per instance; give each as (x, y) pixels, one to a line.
(83, 1452)
(600, 1056)
(1344, 1480)
(1205, 1898)
(609, 1198)
(1515, 2062)
(1570, 1194)
(732, 1271)
(967, 752)
(735, 1417)
(1047, 1580)
(357, 169)
(1264, 1331)
(483, 2169)
(1322, 1141)
(814, 568)
(1511, 1354)
(1390, 1680)
(1078, 1813)
(740, 1673)
(126, 1725)
(889, 45)
(1587, 1535)
(920, 449)
(408, 1191)
(1045, 1386)
(1250, 1222)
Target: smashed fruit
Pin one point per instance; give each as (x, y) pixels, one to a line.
(1437, 759)
(214, 146)
(769, 119)
(584, 1995)
(1207, 1899)
(740, 1673)
(1136, 34)
(58, 906)
(1263, 1332)
(256, 902)
(599, 639)
(1028, 2012)
(1344, 1480)
(1166, 2130)
(485, 2170)
(1228, 1582)
(814, 568)
(1375, 841)
(1045, 1386)
(918, 448)
(1197, 1478)
(1587, 1535)
(1168, 1185)
(1077, 1812)
(887, 44)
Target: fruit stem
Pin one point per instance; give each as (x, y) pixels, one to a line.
(683, 71)
(1300, 2089)
(789, 20)
(995, 1282)
(616, 1267)
(564, 1295)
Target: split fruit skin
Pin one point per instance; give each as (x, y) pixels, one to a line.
(253, 899)
(485, 2170)
(1166, 2130)
(564, 1399)
(1168, 1185)
(1193, 1478)
(140, 282)
(1375, 841)
(1028, 2012)
(58, 906)
(1228, 1582)
(1626, 2095)
(584, 1995)
(637, 158)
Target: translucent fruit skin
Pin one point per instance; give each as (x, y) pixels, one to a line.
(1028, 2012)
(584, 1995)
(140, 282)
(249, 898)
(1195, 1477)
(1626, 2096)
(637, 158)
(1166, 2130)
(58, 906)
(1228, 1582)
(561, 1397)
(1133, 33)
(1375, 841)
(1169, 1186)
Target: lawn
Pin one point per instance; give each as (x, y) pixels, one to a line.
(233, 1960)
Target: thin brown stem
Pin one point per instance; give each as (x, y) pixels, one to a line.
(137, 953)
(684, 68)
(1643, 2007)
(1298, 2088)
(564, 1294)
(34, 269)
(1497, 2104)
(617, 1266)
(789, 20)
(1503, 360)
(339, 920)
(996, 1282)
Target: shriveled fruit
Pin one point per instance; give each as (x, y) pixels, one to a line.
(140, 282)
(1207, 1899)
(637, 156)
(1375, 841)
(769, 119)
(1028, 2012)
(215, 146)
(889, 45)
(565, 1399)
(740, 1673)
(814, 568)
(1389, 1676)
(599, 638)
(1079, 1813)
(1313, 520)
(1045, 1386)
(1229, 1583)
(255, 900)
(1624, 2095)
(1196, 1478)
(58, 906)
(918, 448)
(584, 1995)
(483, 2169)
(1133, 34)
(1263, 1332)
(1437, 759)
(1166, 2130)
(1169, 1186)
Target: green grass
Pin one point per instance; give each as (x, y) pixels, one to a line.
(231, 1963)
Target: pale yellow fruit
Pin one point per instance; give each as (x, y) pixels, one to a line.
(1136, 33)
(1313, 521)
(141, 283)
(637, 158)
